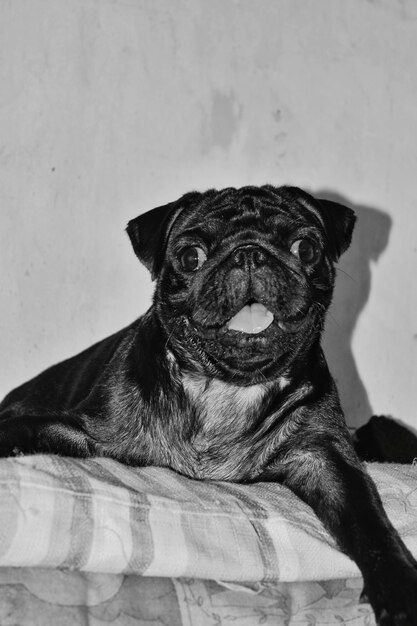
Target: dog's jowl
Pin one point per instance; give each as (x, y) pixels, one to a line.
(224, 377)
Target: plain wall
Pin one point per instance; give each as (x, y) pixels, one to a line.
(111, 107)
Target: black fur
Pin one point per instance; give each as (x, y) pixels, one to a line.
(178, 388)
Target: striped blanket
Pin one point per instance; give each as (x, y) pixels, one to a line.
(99, 516)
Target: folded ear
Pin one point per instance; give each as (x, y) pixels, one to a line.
(149, 232)
(339, 221)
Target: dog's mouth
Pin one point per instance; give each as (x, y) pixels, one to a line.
(253, 323)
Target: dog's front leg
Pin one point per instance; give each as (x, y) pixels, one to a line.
(58, 433)
(345, 499)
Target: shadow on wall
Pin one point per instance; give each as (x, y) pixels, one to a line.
(353, 286)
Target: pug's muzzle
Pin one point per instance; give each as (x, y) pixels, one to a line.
(250, 303)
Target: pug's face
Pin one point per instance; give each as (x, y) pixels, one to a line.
(244, 276)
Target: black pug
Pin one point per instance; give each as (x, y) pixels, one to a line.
(224, 377)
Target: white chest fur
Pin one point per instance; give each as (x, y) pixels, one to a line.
(222, 406)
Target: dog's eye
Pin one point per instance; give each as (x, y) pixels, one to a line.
(305, 250)
(192, 258)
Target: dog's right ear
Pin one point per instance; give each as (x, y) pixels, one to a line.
(149, 232)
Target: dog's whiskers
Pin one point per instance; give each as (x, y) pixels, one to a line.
(175, 325)
(332, 317)
(261, 374)
(339, 269)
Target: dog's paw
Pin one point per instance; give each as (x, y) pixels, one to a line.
(395, 600)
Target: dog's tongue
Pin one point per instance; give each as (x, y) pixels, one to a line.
(253, 319)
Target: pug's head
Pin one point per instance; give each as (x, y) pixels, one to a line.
(243, 276)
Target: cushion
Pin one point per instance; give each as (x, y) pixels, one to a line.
(97, 515)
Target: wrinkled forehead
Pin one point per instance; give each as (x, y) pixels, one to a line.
(249, 206)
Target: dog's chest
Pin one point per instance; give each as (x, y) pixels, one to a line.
(221, 406)
(222, 414)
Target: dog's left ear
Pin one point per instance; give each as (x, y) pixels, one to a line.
(339, 222)
(149, 232)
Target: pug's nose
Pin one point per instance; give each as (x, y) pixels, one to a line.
(249, 255)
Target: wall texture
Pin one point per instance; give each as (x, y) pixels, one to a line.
(110, 107)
